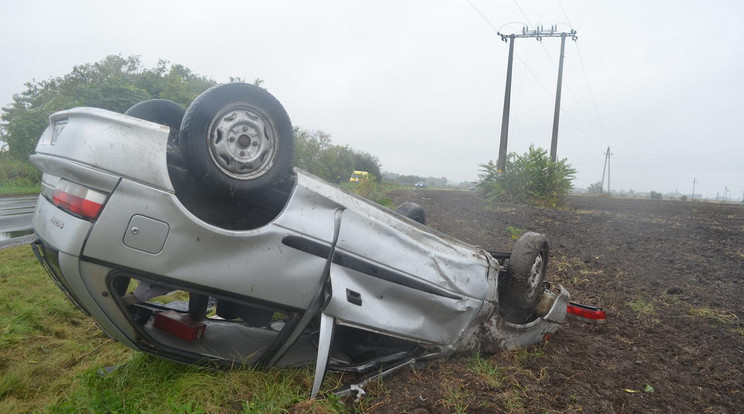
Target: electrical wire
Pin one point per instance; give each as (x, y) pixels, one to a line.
(591, 94)
(522, 11)
(527, 68)
(564, 13)
(586, 78)
(483, 16)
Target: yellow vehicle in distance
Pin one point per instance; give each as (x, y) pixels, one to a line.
(358, 176)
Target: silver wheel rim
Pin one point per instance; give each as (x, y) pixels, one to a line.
(535, 275)
(243, 142)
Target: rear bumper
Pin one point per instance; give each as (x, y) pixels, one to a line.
(64, 270)
(49, 259)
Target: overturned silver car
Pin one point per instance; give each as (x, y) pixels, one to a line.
(185, 233)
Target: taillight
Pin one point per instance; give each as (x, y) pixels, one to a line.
(78, 199)
(586, 313)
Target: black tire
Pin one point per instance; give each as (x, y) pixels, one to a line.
(413, 211)
(237, 138)
(163, 112)
(527, 267)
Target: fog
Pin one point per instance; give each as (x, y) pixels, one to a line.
(420, 84)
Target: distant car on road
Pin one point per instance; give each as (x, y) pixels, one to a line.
(420, 184)
(358, 176)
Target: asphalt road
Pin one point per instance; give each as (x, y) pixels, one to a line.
(15, 220)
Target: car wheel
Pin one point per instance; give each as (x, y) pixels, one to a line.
(163, 112)
(237, 137)
(413, 211)
(527, 267)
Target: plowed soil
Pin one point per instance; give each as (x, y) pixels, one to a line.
(668, 273)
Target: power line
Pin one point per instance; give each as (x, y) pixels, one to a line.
(591, 94)
(564, 13)
(527, 68)
(575, 99)
(586, 78)
(523, 14)
(602, 135)
(483, 16)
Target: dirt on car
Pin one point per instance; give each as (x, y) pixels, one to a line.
(669, 275)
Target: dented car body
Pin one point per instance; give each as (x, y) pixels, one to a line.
(296, 272)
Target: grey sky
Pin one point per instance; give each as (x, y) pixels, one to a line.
(420, 84)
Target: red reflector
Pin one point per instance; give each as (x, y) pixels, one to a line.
(179, 325)
(586, 312)
(77, 205)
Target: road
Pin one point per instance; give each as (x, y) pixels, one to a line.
(15, 219)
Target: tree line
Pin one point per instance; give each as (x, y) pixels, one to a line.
(116, 83)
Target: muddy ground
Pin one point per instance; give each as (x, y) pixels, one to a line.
(668, 273)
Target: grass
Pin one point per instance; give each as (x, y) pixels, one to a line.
(52, 356)
(642, 306)
(15, 190)
(719, 316)
(514, 232)
(44, 341)
(457, 397)
(486, 369)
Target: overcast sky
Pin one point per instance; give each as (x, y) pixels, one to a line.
(420, 84)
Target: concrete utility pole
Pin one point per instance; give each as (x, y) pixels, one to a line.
(538, 33)
(694, 181)
(507, 104)
(557, 111)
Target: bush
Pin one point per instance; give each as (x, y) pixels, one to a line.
(315, 153)
(595, 188)
(17, 173)
(370, 188)
(655, 196)
(531, 178)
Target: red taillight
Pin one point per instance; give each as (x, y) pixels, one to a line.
(78, 199)
(586, 313)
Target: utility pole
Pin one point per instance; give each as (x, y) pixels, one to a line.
(694, 181)
(609, 158)
(507, 104)
(606, 169)
(538, 33)
(557, 111)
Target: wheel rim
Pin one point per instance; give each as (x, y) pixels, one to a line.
(243, 142)
(535, 274)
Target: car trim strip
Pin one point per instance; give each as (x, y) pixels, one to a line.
(348, 261)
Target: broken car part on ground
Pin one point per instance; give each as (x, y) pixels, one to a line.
(185, 233)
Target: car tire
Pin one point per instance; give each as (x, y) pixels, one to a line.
(237, 138)
(413, 211)
(527, 267)
(163, 112)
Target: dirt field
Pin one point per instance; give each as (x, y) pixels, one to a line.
(669, 275)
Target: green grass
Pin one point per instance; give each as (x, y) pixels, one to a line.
(486, 369)
(51, 355)
(719, 316)
(642, 306)
(13, 190)
(457, 397)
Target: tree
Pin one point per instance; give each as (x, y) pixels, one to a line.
(531, 178)
(316, 154)
(595, 189)
(114, 83)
